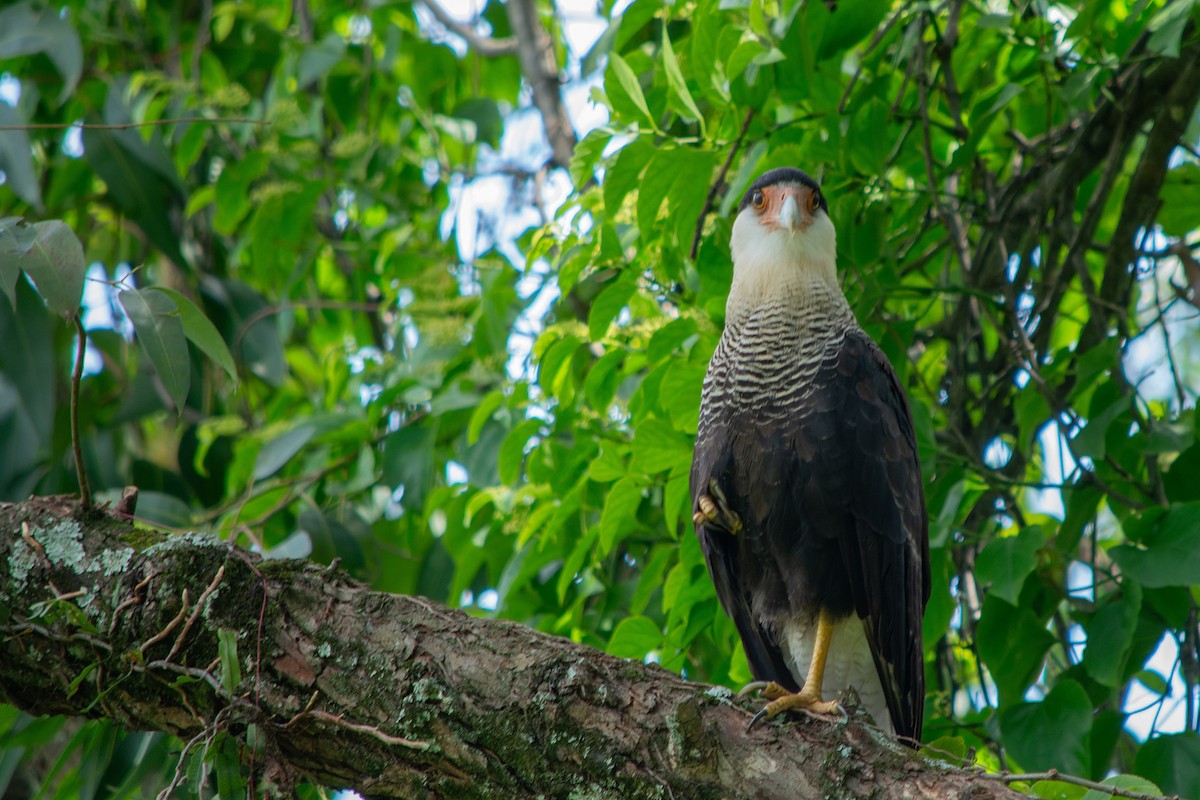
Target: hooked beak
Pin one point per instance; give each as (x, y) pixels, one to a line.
(789, 214)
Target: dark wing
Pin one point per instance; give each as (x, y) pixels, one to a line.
(887, 554)
(725, 553)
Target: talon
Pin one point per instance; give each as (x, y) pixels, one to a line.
(753, 686)
(811, 703)
(768, 689)
(713, 509)
(783, 700)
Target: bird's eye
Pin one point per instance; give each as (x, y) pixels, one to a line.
(758, 201)
(814, 202)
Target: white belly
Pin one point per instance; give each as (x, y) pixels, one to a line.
(849, 663)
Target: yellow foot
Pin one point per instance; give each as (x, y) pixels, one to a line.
(768, 689)
(713, 509)
(782, 700)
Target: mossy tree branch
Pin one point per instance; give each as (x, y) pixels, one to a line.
(392, 696)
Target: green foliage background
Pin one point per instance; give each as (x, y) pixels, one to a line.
(419, 416)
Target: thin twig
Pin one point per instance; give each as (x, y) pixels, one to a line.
(32, 542)
(716, 187)
(85, 492)
(1074, 780)
(212, 587)
(370, 730)
(172, 625)
(133, 600)
(945, 212)
(327, 305)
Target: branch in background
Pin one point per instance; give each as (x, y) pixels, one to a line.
(535, 51)
(718, 183)
(483, 45)
(1172, 114)
(392, 696)
(85, 491)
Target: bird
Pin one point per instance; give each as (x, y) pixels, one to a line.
(805, 482)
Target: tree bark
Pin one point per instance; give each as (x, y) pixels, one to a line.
(389, 695)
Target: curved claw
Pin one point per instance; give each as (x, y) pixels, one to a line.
(762, 712)
(753, 686)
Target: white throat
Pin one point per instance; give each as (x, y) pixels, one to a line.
(781, 267)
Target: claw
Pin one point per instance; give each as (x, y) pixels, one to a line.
(713, 508)
(753, 686)
(783, 700)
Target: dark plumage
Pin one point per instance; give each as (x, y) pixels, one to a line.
(805, 480)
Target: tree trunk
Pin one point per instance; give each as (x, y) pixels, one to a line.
(389, 695)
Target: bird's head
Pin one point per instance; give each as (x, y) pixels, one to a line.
(783, 232)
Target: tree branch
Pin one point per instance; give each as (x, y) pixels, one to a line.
(392, 696)
(483, 45)
(535, 51)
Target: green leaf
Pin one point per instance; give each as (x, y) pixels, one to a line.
(608, 304)
(56, 265)
(622, 177)
(78, 680)
(946, 748)
(1110, 635)
(1012, 643)
(677, 83)
(741, 57)
(629, 84)
(1172, 762)
(1128, 783)
(634, 637)
(231, 670)
(16, 157)
(849, 23)
(482, 413)
(200, 330)
(1167, 27)
(138, 173)
(667, 339)
(318, 59)
(1170, 554)
(512, 450)
(1153, 680)
(156, 320)
(16, 237)
(227, 765)
(1057, 790)
(1052, 733)
(587, 154)
(601, 382)
(658, 447)
(408, 461)
(24, 31)
(258, 344)
(1180, 194)
(232, 190)
(484, 114)
(609, 465)
(1006, 562)
(620, 512)
(280, 449)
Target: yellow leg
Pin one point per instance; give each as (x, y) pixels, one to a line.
(809, 696)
